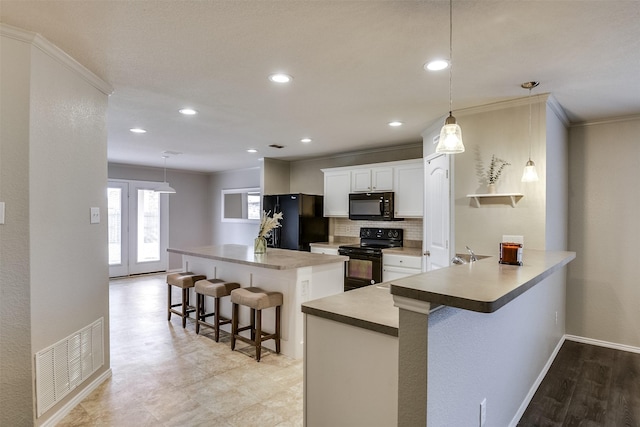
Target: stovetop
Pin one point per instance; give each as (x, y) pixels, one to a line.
(376, 239)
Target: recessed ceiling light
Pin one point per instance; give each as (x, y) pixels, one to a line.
(280, 78)
(188, 111)
(437, 65)
(395, 123)
(305, 140)
(137, 130)
(252, 150)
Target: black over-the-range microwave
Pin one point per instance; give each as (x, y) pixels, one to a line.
(372, 206)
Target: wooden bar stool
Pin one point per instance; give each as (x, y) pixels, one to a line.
(257, 300)
(184, 281)
(217, 289)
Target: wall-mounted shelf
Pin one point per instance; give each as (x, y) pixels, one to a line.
(498, 198)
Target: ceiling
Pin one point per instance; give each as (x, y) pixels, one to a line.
(356, 66)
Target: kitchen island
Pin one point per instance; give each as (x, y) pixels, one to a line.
(300, 276)
(501, 326)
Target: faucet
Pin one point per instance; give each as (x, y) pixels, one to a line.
(472, 256)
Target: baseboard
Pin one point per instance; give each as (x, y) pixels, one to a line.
(545, 369)
(601, 343)
(536, 384)
(68, 407)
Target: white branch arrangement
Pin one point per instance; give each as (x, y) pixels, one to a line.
(495, 169)
(268, 223)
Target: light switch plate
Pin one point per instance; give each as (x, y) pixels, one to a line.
(95, 215)
(1, 212)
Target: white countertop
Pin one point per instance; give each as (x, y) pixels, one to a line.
(278, 259)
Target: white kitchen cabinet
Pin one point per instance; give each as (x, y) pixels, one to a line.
(399, 266)
(409, 190)
(337, 186)
(404, 177)
(325, 251)
(372, 179)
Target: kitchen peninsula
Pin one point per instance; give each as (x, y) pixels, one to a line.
(300, 276)
(497, 330)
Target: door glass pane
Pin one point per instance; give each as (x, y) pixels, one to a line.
(114, 220)
(148, 226)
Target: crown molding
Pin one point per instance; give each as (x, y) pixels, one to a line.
(609, 120)
(56, 53)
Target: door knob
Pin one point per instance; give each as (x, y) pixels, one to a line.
(427, 253)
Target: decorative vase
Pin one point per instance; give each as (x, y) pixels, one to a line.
(260, 245)
(491, 189)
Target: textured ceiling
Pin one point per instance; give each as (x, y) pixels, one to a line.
(356, 65)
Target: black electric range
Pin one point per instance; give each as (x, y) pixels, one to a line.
(364, 267)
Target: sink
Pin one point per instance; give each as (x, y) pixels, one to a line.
(466, 257)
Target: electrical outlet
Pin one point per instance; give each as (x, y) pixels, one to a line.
(305, 290)
(483, 412)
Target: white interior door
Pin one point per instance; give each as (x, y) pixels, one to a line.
(437, 212)
(143, 220)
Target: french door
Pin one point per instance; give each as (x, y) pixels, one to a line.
(138, 219)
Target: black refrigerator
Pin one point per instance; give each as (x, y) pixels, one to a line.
(302, 221)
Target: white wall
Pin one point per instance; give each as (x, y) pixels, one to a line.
(232, 232)
(496, 356)
(16, 400)
(64, 269)
(603, 291)
(190, 215)
(500, 355)
(502, 132)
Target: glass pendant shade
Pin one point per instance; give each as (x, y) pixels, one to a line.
(530, 174)
(450, 141)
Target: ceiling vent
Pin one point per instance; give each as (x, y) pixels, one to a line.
(276, 146)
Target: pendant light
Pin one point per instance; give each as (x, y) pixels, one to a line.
(530, 174)
(164, 187)
(450, 141)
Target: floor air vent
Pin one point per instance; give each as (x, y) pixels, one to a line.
(63, 366)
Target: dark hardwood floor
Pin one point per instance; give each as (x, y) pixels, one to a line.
(587, 386)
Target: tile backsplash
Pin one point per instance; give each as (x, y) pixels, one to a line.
(344, 229)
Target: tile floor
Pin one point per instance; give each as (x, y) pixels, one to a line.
(164, 375)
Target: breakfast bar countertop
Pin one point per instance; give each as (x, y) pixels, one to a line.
(482, 286)
(277, 259)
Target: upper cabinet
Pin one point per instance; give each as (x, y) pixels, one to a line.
(337, 186)
(408, 185)
(372, 179)
(404, 178)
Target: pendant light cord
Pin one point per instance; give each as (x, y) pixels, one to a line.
(165, 163)
(450, 53)
(530, 123)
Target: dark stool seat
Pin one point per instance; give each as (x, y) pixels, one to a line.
(185, 281)
(217, 289)
(256, 299)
